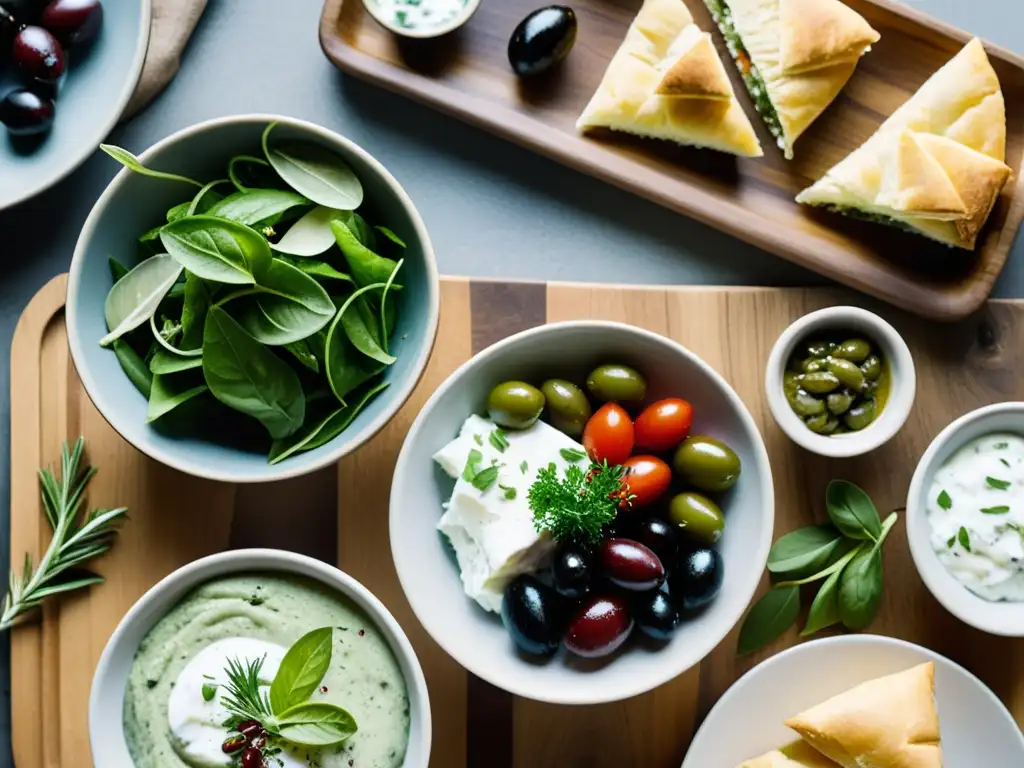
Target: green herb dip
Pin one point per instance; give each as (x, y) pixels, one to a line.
(420, 14)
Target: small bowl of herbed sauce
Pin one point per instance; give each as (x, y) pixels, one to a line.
(965, 518)
(421, 18)
(840, 382)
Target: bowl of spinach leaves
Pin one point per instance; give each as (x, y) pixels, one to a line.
(251, 298)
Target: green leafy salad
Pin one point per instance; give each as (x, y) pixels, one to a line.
(264, 299)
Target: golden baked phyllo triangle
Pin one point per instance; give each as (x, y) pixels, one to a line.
(667, 82)
(797, 755)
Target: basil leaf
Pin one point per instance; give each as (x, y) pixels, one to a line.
(319, 269)
(257, 206)
(391, 236)
(164, 362)
(769, 619)
(852, 511)
(309, 236)
(301, 670)
(944, 501)
(316, 724)
(860, 589)
(315, 171)
(217, 249)
(132, 163)
(168, 392)
(286, 306)
(366, 266)
(135, 367)
(825, 608)
(195, 305)
(135, 297)
(806, 551)
(205, 198)
(246, 376)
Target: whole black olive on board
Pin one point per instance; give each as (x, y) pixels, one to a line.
(25, 113)
(533, 614)
(542, 39)
(697, 578)
(656, 615)
(572, 571)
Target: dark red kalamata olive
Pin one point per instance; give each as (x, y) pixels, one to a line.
(73, 22)
(542, 39)
(533, 614)
(572, 571)
(38, 54)
(253, 758)
(25, 113)
(697, 578)
(600, 627)
(630, 565)
(655, 614)
(658, 536)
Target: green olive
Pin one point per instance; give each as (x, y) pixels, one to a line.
(819, 383)
(812, 365)
(855, 350)
(617, 383)
(823, 423)
(697, 516)
(790, 382)
(871, 368)
(515, 404)
(706, 463)
(861, 415)
(848, 373)
(820, 348)
(839, 403)
(805, 404)
(568, 407)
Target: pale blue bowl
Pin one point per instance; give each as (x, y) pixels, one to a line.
(132, 204)
(99, 83)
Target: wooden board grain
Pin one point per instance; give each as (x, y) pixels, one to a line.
(466, 74)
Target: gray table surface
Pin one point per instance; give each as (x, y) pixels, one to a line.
(493, 209)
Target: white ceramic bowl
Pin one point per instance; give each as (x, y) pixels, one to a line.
(997, 618)
(106, 699)
(468, 9)
(977, 730)
(430, 576)
(901, 394)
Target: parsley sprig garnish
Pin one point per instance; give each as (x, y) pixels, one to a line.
(578, 506)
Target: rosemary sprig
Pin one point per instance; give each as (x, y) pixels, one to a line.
(74, 541)
(242, 697)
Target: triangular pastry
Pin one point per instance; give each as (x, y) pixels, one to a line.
(797, 755)
(889, 722)
(956, 123)
(667, 82)
(795, 56)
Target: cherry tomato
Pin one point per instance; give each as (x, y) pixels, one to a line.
(608, 435)
(648, 477)
(663, 425)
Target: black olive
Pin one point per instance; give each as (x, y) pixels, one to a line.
(534, 616)
(572, 572)
(542, 39)
(25, 113)
(656, 615)
(659, 536)
(697, 578)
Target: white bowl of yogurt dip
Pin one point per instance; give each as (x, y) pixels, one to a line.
(421, 18)
(161, 695)
(965, 518)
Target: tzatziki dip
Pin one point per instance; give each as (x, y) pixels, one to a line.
(976, 511)
(419, 14)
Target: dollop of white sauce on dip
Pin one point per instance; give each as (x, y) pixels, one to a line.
(420, 14)
(975, 507)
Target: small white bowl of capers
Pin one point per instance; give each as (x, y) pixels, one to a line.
(840, 382)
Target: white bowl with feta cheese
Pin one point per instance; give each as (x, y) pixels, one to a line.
(965, 518)
(453, 548)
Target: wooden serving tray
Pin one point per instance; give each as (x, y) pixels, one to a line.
(175, 519)
(466, 74)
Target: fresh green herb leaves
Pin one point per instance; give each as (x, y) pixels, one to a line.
(999, 485)
(217, 249)
(135, 298)
(578, 506)
(1004, 462)
(1000, 510)
(944, 501)
(499, 439)
(209, 691)
(1001, 446)
(472, 465)
(315, 172)
(523, 466)
(316, 724)
(485, 478)
(509, 492)
(572, 455)
(302, 669)
(132, 163)
(964, 538)
(845, 555)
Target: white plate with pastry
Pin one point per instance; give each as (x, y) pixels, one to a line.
(858, 701)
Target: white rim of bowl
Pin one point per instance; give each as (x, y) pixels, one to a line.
(734, 689)
(278, 560)
(134, 73)
(703, 645)
(897, 408)
(918, 537)
(284, 470)
(454, 23)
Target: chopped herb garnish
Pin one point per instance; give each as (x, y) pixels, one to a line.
(523, 466)
(209, 691)
(944, 501)
(964, 538)
(572, 455)
(999, 485)
(1005, 462)
(1001, 446)
(498, 438)
(951, 542)
(472, 465)
(510, 492)
(485, 478)
(995, 510)
(479, 440)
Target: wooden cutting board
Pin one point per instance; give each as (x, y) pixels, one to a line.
(175, 519)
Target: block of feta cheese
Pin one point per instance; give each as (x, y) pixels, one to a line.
(492, 530)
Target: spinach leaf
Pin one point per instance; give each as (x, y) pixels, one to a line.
(245, 375)
(315, 171)
(257, 206)
(132, 163)
(248, 172)
(391, 236)
(301, 351)
(860, 589)
(387, 308)
(197, 301)
(286, 306)
(364, 336)
(206, 198)
(301, 669)
(852, 511)
(770, 617)
(316, 724)
(135, 297)
(347, 368)
(309, 236)
(180, 211)
(217, 249)
(825, 608)
(169, 392)
(805, 551)
(164, 362)
(117, 269)
(319, 269)
(365, 265)
(135, 367)
(360, 228)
